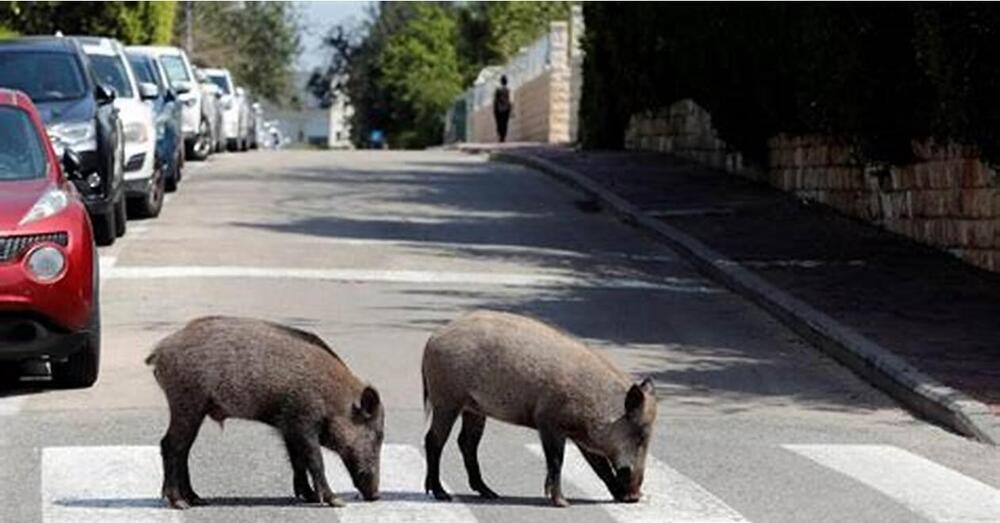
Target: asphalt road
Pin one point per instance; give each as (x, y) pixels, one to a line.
(373, 250)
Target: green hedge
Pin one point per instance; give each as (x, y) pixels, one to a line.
(879, 74)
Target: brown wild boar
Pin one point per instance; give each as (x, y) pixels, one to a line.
(225, 367)
(522, 371)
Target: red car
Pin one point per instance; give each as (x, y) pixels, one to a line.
(49, 309)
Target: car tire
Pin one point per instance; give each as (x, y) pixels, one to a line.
(80, 370)
(202, 145)
(104, 228)
(121, 217)
(150, 204)
(174, 178)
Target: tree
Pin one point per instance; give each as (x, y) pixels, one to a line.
(256, 41)
(130, 22)
(406, 63)
(513, 25)
(420, 67)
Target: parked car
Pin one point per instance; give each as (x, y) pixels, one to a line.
(49, 306)
(79, 114)
(157, 93)
(195, 124)
(144, 179)
(235, 110)
(212, 109)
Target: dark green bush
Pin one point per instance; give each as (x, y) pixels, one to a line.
(879, 74)
(131, 22)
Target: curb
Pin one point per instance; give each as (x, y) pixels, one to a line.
(914, 390)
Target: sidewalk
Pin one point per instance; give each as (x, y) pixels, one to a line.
(906, 317)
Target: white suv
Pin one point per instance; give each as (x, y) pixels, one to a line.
(235, 115)
(144, 182)
(194, 124)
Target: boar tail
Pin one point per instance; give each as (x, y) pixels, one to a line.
(151, 359)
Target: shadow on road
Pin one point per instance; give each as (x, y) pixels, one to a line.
(703, 345)
(266, 501)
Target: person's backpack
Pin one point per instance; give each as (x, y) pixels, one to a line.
(501, 100)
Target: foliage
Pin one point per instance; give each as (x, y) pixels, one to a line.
(420, 67)
(405, 64)
(516, 24)
(879, 74)
(130, 22)
(256, 41)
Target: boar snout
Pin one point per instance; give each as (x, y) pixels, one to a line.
(367, 485)
(629, 485)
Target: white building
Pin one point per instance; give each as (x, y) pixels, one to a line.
(312, 124)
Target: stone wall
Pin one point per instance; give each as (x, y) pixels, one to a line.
(684, 129)
(576, 31)
(948, 198)
(542, 99)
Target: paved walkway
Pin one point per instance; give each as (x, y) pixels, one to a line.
(938, 314)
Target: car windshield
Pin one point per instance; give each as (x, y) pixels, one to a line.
(44, 76)
(110, 71)
(220, 80)
(22, 156)
(176, 71)
(142, 68)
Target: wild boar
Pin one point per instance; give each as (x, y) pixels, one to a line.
(522, 371)
(225, 367)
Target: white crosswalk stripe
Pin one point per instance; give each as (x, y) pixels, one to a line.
(668, 495)
(102, 485)
(402, 488)
(121, 484)
(927, 488)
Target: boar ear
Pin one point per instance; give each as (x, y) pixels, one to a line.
(369, 403)
(637, 395)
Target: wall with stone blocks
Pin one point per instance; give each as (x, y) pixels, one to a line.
(685, 129)
(542, 102)
(530, 120)
(947, 198)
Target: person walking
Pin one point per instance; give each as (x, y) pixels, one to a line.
(502, 108)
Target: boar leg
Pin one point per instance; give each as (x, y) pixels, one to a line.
(473, 426)
(553, 445)
(602, 467)
(299, 469)
(175, 449)
(308, 447)
(441, 423)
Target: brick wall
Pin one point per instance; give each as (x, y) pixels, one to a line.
(947, 198)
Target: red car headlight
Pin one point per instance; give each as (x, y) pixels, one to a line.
(46, 263)
(52, 202)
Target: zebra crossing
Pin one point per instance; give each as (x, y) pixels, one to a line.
(121, 484)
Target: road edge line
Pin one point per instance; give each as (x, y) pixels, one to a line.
(911, 388)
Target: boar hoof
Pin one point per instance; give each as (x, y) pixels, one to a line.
(486, 492)
(560, 502)
(333, 501)
(177, 503)
(440, 494)
(306, 495)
